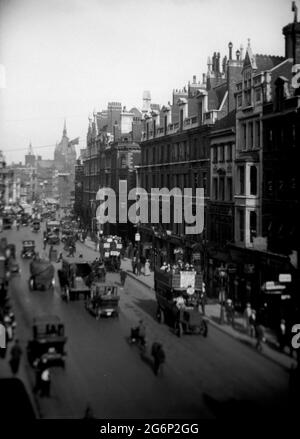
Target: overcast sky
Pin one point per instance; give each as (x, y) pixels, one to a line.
(65, 58)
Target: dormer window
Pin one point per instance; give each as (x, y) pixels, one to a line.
(279, 94)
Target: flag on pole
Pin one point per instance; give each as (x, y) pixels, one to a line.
(74, 142)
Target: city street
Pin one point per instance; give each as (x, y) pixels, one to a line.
(203, 377)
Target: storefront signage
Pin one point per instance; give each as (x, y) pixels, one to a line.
(137, 237)
(187, 279)
(106, 245)
(196, 256)
(114, 253)
(285, 277)
(273, 286)
(296, 77)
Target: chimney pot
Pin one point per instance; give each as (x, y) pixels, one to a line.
(238, 55)
(230, 46)
(194, 79)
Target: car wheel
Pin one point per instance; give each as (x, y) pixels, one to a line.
(160, 315)
(203, 328)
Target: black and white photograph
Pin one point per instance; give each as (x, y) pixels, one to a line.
(149, 198)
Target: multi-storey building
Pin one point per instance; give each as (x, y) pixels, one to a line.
(78, 198)
(111, 155)
(280, 191)
(176, 153)
(250, 250)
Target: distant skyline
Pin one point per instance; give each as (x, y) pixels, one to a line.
(65, 58)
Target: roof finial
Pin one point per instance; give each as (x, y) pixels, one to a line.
(65, 129)
(248, 42)
(295, 10)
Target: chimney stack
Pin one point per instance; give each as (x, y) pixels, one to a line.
(238, 53)
(230, 46)
(242, 52)
(194, 79)
(291, 33)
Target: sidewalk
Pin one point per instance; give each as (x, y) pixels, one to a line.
(213, 311)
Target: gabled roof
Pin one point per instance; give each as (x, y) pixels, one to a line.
(216, 96)
(267, 62)
(227, 121)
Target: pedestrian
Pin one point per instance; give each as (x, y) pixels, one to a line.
(60, 257)
(203, 298)
(247, 315)
(230, 312)
(133, 263)
(147, 268)
(252, 323)
(123, 276)
(38, 366)
(45, 242)
(159, 357)
(260, 336)
(45, 382)
(139, 267)
(15, 357)
(282, 335)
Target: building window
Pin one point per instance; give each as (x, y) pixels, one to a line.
(241, 223)
(123, 162)
(222, 188)
(154, 128)
(169, 158)
(229, 152)
(253, 225)
(241, 180)
(258, 95)
(239, 100)
(244, 136)
(250, 135)
(215, 154)
(222, 156)
(195, 148)
(215, 188)
(253, 180)
(247, 95)
(229, 188)
(204, 182)
(257, 134)
(147, 130)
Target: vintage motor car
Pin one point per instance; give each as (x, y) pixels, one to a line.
(42, 274)
(48, 342)
(52, 232)
(75, 278)
(36, 225)
(28, 250)
(178, 301)
(104, 300)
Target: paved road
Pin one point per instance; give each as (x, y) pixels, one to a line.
(203, 378)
